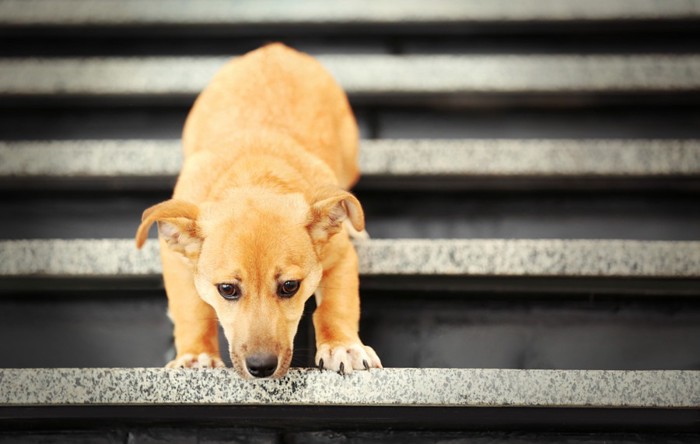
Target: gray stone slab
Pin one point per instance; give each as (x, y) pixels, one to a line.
(90, 158)
(366, 74)
(474, 157)
(387, 387)
(165, 12)
(448, 257)
(108, 436)
(469, 157)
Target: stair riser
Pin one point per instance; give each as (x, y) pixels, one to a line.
(430, 329)
(391, 214)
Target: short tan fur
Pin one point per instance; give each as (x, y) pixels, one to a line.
(270, 147)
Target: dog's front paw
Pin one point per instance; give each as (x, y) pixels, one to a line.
(202, 360)
(344, 358)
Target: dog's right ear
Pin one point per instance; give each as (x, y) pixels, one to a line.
(177, 225)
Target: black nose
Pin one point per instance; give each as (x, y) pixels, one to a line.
(261, 366)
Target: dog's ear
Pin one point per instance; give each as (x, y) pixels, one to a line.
(330, 208)
(177, 224)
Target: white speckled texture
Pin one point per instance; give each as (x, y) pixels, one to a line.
(366, 74)
(448, 257)
(79, 257)
(619, 158)
(138, 12)
(409, 387)
(89, 158)
(499, 257)
(493, 157)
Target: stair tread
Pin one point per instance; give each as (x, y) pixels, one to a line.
(414, 158)
(394, 387)
(422, 257)
(365, 74)
(153, 13)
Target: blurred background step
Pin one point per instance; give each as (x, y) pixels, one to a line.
(437, 398)
(400, 263)
(415, 164)
(313, 17)
(409, 79)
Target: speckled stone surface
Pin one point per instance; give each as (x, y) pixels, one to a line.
(366, 74)
(113, 158)
(498, 257)
(409, 387)
(448, 257)
(509, 157)
(137, 12)
(90, 158)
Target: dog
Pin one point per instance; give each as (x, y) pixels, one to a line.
(261, 219)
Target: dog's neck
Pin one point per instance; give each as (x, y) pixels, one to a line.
(281, 169)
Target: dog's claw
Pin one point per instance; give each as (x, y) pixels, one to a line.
(201, 360)
(346, 358)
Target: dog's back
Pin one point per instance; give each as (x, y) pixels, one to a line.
(271, 93)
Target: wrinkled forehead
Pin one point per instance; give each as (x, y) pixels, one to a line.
(253, 207)
(259, 239)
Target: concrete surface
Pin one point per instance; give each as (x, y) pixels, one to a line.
(159, 12)
(392, 387)
(441, 257)
(467, 157)
(365, 74)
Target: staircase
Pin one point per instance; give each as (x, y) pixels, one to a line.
(531, 182)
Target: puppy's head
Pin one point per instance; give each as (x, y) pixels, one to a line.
(255, 258)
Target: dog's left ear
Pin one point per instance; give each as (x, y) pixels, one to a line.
(177, 224)
(330, 208)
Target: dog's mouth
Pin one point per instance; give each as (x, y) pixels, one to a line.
(261, 365)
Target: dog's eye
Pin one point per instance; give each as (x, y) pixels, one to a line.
(288, 289)
(229, 291)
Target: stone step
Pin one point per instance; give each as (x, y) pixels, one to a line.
(395, 387)
(436, 79)
(415, 397)
(240, 16)
(415, 163)
(576, 265)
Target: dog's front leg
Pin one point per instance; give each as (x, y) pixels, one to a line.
(337, 318)
(195, 324)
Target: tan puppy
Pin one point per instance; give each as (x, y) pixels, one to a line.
(256, 223)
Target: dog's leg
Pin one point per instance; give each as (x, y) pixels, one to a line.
(337, 319)
(195, 324)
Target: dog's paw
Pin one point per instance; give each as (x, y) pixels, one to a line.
(344, 358)
(202, 360)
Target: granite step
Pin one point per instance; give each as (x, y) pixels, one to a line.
(313, 16)
(426, 79)
(650, 267)
(427, 164)
(439, 398)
